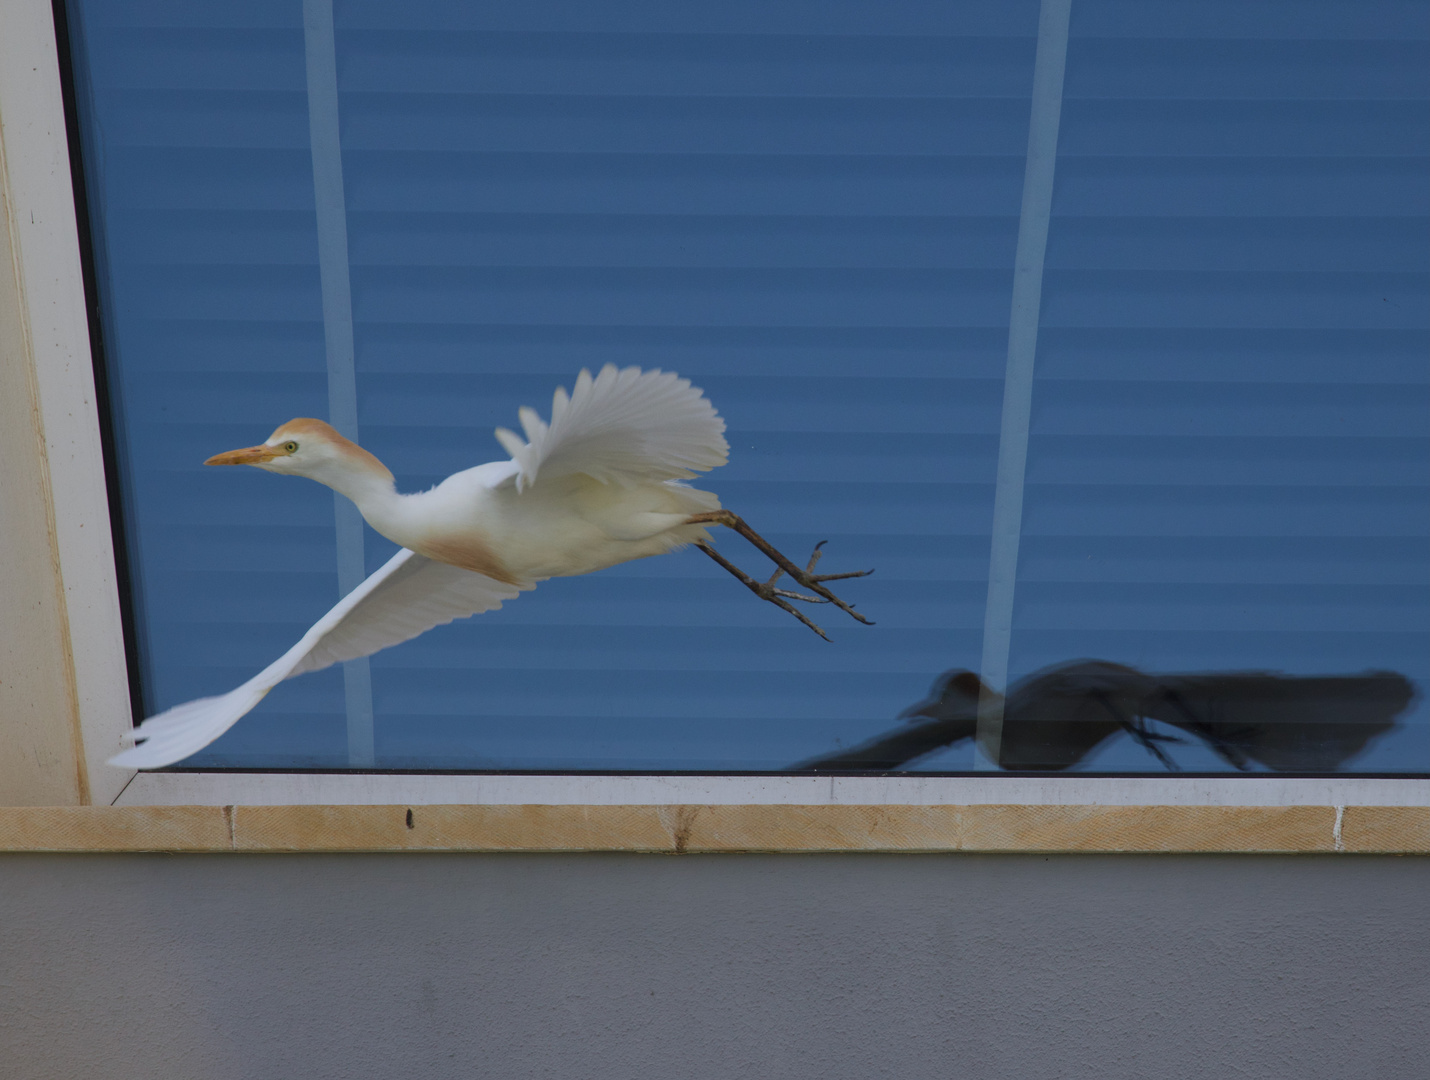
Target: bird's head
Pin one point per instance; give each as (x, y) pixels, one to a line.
(310, 448)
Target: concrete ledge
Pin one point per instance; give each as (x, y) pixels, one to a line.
(721, 828)
(1386, 828)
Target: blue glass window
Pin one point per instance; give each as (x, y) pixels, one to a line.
(413, 219)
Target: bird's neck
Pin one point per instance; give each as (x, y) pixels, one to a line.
(367, 483)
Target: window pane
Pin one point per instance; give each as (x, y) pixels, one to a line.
(811, 214)
(812, 211)
(1228, 462)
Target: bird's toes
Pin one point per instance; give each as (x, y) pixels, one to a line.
(801, 596)
(768, 592)
(839, 577)
(798, 615)
(814, 557)
(815, 583)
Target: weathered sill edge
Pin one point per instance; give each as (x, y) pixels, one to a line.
(720, 828)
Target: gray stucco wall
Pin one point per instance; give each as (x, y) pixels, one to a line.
(597, 966)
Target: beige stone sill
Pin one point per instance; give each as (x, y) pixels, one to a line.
(725, 828)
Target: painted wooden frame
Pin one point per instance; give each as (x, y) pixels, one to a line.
(64, 698)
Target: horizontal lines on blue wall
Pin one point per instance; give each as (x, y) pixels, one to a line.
(810, 210)
(1230, 452)
(816, 225)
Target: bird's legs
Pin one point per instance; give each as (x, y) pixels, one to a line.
(1137, 728)
(766, 590)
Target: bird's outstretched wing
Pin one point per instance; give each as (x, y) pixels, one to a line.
(409, 595)
(623, 425)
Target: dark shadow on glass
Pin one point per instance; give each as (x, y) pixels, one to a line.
(1054, 718)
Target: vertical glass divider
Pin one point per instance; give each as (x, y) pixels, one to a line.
(321, 51)
(1018, 380)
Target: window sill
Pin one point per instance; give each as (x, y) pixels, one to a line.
(422, 789)
(691, 828)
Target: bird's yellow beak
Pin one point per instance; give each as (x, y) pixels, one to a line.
(249, 455)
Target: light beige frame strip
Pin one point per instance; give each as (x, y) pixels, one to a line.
(690, 829)
(64, 696)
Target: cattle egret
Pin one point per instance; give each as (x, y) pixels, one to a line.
(598, 486)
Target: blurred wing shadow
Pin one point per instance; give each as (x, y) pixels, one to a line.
(1289, 724)
(947, 717)
(1054, 718)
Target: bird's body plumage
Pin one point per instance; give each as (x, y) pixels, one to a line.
(559, 527)
(600, 485)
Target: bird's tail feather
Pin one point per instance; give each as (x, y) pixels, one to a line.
(185, 729)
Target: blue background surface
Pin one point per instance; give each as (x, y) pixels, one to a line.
(811, 211)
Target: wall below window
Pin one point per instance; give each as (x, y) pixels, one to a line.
(622, 966)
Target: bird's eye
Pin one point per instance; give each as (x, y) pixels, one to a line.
(291, 447)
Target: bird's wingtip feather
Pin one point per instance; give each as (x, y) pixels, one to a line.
(186, 729)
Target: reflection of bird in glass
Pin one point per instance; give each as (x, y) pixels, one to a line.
(598, 486)
(1056, 717)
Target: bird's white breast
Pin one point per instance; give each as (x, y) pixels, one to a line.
(559, 527)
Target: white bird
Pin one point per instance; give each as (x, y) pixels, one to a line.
(598, 486)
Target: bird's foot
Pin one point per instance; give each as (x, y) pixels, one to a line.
(766, 590)
(802, 576)
(815, 583)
